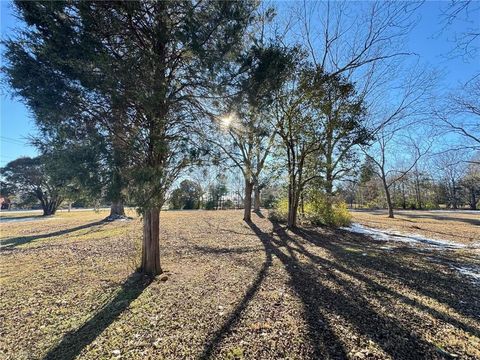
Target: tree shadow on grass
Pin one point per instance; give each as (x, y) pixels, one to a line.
(17, 241)
(326, 344)
(355, 265)
(309, 281)
(220, 251)
(458, 294)
(259, 214)
(330, 298)
(234, 317)
(73, 343)
(443, 218)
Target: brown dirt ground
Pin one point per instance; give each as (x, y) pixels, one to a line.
(233, 291)
(461, 226)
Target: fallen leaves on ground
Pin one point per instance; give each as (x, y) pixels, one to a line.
(231, 290)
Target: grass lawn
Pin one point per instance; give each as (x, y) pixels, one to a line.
(232, 290)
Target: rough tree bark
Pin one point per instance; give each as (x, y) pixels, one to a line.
(386, 189)
(151, 242)
(117, 209)
(256, 197)
(294, 192)
(293, 200)
(329, 187)
(247, 202)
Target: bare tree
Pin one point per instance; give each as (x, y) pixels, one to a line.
(247, 144)
(471, 184)
(461, 116)
(388, 145)
(452, 166)
(362, 50)
(245, 133)
(458, 113)
(300, 137)
(466, 42)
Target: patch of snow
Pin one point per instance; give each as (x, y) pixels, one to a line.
(392, 235)
(471, 272)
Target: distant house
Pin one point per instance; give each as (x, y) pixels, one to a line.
(5, 203)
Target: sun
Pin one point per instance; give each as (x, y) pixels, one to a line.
(227, 120)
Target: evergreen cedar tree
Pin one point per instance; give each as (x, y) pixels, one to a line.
(136, 72)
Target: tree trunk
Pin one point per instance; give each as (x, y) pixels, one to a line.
(302, 205)
(454, 196)
(256, 198)
(117, 209)
(329, 193)
(48, 211)
(50, 206)
(151, 242)
(292, 213)
(473, 199)
(388, 198)
(293, 201)
(247, 202)
(418, 192)
(404, 199)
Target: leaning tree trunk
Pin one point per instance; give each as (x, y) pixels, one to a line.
(256, 198)
(247, 202)
(151, 242)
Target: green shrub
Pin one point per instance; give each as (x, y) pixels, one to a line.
(318, 211)
(210, 205)
(430, 205)
(375, 204)
(280, 210)
(228, 204)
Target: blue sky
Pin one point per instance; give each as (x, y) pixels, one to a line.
(16, 122)
(426, 40)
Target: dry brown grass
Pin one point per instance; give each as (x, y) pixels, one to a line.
(461, 226)
(234, 290)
